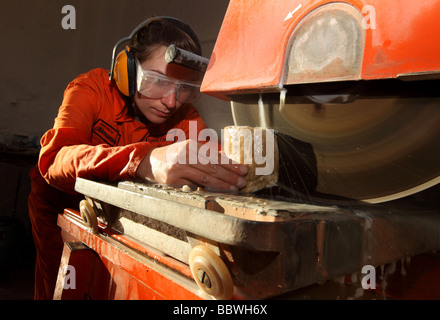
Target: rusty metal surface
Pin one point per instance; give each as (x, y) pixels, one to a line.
(278, 246)
(129, 272)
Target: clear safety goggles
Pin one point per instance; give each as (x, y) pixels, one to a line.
(155, 85)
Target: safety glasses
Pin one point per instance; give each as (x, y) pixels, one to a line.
(155, 86)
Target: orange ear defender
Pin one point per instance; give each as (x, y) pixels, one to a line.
(123, 68)
(124, 72)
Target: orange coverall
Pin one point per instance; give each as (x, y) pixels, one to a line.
(94, 138)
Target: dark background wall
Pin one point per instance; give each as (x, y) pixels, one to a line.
(38, 59)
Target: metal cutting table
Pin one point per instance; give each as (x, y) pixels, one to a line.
(269, 247)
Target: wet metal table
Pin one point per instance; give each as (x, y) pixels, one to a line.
(215, 245)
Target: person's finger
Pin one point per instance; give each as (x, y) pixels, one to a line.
(182, 182)
(206, 176)
(214, 157)
(226, 173)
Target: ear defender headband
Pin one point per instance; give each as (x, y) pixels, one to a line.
(123, 68)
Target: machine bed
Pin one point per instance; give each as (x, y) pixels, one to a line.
(269, 246)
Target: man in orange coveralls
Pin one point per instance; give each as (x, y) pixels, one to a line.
(103, 133)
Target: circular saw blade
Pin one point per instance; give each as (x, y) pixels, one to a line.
(374, 150)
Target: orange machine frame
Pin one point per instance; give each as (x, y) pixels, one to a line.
(114, 267)
(251, 46)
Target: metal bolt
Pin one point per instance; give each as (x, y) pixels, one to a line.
(204, 278)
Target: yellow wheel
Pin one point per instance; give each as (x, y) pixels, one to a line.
(211, 273)
(89, 215)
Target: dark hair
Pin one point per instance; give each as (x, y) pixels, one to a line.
(164, 32)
